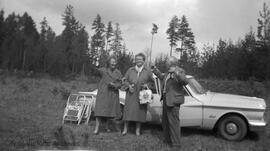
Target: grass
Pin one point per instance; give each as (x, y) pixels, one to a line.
(31, 112)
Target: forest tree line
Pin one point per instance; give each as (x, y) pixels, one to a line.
(74, 51)
(24, 48)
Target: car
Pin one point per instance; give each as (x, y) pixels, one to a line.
(233, 116)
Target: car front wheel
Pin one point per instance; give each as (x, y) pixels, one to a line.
(232, 128)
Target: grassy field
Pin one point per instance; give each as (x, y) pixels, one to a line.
(31, 112)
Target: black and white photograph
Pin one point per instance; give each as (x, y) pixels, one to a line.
(135, 75)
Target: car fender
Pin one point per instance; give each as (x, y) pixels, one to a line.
(212, 115)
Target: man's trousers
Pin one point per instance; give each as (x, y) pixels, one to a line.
(171, 124)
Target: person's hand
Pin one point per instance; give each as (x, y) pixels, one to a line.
(144, 86)
(111, 85)
(131, 88)
(153, 67)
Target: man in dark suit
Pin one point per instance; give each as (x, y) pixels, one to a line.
(172, 97)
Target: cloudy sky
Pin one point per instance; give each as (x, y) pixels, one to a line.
(209, 19)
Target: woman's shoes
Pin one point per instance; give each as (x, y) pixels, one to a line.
(124, 133)
(96, 132)
(138, 133)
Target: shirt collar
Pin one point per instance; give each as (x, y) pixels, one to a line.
(134, 68)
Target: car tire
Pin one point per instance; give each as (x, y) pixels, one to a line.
(232, 128)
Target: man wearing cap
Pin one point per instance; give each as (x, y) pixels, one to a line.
(172, 97)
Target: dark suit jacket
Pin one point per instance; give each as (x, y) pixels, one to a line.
(174, 92)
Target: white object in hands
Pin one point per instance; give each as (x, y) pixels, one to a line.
(145, 96)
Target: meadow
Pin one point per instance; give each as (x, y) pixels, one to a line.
(31, 112)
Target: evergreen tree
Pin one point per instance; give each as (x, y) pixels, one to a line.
(2, 33)
(117, 41)
(81, 48)
(125, 60)
(264, 39)
(264, 26)
(29, 42)
(172, 32)
(46, 41)
(98, 42)
(109, 35)
(68, 37)
(10, 52)
(186, 37)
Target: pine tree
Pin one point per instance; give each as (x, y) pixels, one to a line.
(172, 32)
(2, 33)
(29, 41)
(264, 26)
(124, 60)
(264, 38)
(11, 45)
(68, 37)
(186, 37)
(46, 42)
(81, 47)
(98, 42)
(117, 41)
(109, 35)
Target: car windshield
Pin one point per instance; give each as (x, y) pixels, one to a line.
(195, 86)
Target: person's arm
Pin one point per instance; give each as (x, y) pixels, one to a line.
(98, 71)
(180, 76)
(126, 85)
(118, 82)
(158, 73)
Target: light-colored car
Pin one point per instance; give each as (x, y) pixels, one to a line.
(231, 115)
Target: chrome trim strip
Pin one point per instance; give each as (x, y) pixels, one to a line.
(234, 108)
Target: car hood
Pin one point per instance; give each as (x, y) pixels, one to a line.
(238, 101)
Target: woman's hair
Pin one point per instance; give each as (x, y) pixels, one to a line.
(140, 54)
(109, 60)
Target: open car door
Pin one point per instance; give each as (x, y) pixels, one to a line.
(191, 112)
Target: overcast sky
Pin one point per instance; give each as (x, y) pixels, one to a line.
(208, 19)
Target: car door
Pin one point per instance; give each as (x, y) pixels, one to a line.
(154, 109)
(190, 112)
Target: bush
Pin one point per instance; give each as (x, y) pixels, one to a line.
(247, 88)
(64, 93)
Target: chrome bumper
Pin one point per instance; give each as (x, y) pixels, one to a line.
(257, 125)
